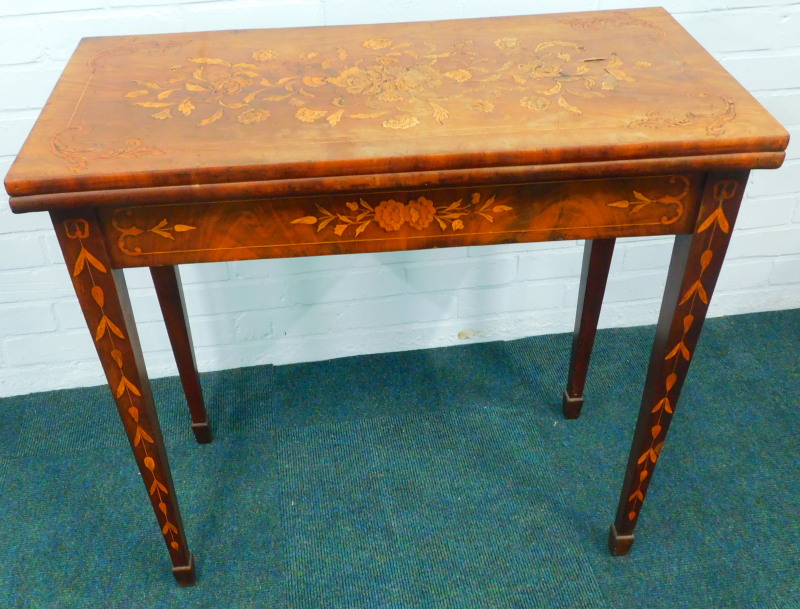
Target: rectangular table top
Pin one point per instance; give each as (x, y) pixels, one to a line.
(259, 105)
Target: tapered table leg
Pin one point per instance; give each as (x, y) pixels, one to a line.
(594, 276)
(104, 299)
(167, 282)
(693, 272)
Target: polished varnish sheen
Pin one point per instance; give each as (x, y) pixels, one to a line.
(162, 150)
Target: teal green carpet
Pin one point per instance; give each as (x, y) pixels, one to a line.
(430, 479)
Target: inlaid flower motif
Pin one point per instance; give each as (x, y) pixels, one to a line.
(219, 80)
(253, 115)
(534, 103)
(357, 81)
(420, 213)
(507, 43)
(264, 55)
(390, 215)
(376, 44)
(459, 75)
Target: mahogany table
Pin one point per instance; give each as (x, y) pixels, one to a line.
(161, 150)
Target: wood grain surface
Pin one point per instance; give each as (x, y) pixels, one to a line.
(261, 105)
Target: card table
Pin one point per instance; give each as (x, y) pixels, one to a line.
(155, 151)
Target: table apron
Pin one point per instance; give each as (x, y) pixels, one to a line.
(403, 219)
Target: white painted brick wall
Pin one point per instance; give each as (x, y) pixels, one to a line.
(281, 311)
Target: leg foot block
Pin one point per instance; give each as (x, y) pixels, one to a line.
(185, 575)
(619, 545)
(572, 406)
(202, 432)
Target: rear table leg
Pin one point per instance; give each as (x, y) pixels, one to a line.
(594, 275)
(167, 282)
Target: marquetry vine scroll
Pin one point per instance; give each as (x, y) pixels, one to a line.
(692, 305)
(639, 201)
(77, 146)
(719, 111)
(89, 270)
(162, 229)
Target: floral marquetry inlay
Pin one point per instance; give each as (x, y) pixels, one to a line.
(90, 271)
(396, 83)
(693, 302)
(392, 215)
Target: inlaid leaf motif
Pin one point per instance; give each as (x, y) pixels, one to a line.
(719, 216)
(334, 118)
(403, 121)
(157, 486)
(648, 454)
(705, 259)
(139, 435)
(186, 107)
(305, 220)
(682, 349)
(362, 115)
(168, 526)
(309, 116)
(98, 296)
(211, 119)
(83, 257)
(209, 60)
(440, 114)
(149, 84)
(101, 329)
(567, 106)
(165, 94)
(164, 114)
(662, 403)
(116, 355)
(138, 93)
(124, 384)
(697, 288)
(154, 104)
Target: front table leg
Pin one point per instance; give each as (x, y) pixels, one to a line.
(693, 272)
(104, 299)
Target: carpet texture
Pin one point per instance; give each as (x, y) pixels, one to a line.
(443, 478)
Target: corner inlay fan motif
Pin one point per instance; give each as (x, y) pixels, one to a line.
(396, 83)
